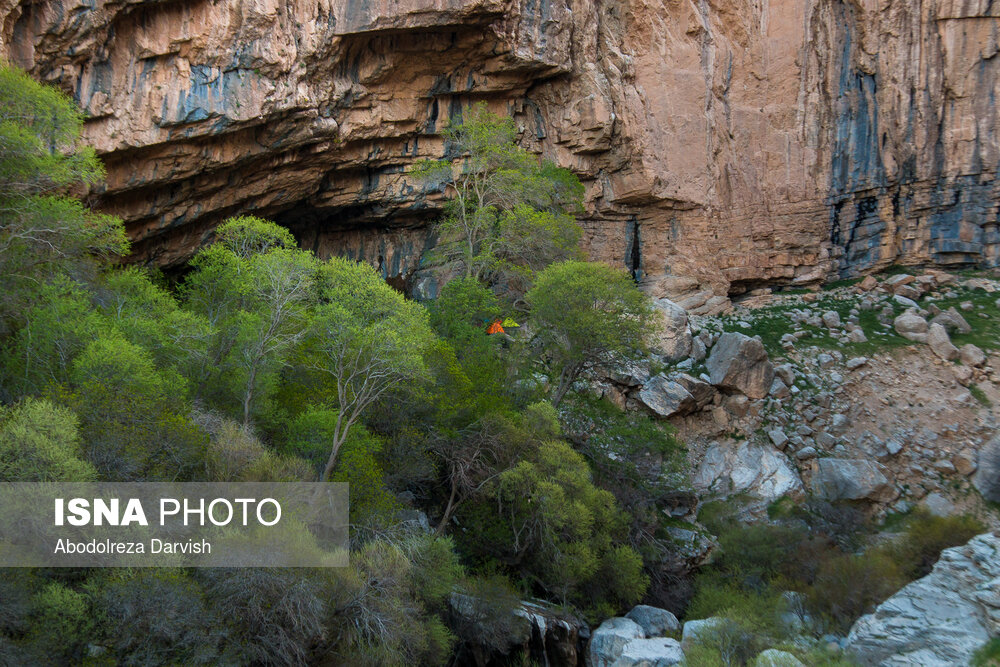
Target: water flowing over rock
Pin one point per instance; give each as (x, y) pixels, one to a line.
(728, 144)
(941, 619)
(540, 631)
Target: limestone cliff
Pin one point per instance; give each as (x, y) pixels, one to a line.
(725, 144)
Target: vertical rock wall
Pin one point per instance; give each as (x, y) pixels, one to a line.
(725, 144)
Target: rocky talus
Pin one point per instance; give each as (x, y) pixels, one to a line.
(724, 145)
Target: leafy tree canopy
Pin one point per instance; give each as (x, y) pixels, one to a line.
(509, 214)
(586, 313)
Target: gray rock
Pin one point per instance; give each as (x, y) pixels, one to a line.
(857, 336)
(941, 619)
(740, 362)
(971, 355)
(911, 326)
(778, 438)
(908, 291)
(938, 505)
(674, 338)
(698, 350)
(940, 343)
(987, 477)
(666, 398)
(806, 453)
(655, 622)
(824, 360)
(839, 423)
(786, 373)
(702, 391)
(851, 479)
(831, 319)
(824, 439)
(779, 389)
(856, 362)
(698, 629)
(658, 652)
(953, 321)
(628, 373)
(743, 467)
(893, 446)
(772, 657)
(609, 640)
(905, 302)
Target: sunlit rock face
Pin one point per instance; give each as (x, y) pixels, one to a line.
(736, 143)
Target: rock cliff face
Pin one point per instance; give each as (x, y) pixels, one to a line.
(731, 143)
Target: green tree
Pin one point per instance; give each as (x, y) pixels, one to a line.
(131, 425)
(545, 519)
(584, 314)
(365, 338)
(38, 443)
(41, 230)
(509, 214)
(254, 289)
(57, 327)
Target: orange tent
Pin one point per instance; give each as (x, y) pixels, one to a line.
(495, 328)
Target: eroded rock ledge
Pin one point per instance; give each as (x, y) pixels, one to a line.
(734, 144)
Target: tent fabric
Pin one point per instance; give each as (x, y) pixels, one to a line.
(495, 328)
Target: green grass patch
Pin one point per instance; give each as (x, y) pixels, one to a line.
(979, 395)
(985, 330)
(988, 654)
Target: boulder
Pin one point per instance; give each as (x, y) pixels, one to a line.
(987, 477)
(940, 343)
(744, 467)
(698, 629)
(941, 619)
(772, 657)
(851, 479)
(911, 326)
(702, 391)
(831, 319)
(655, 622)
(666, 398)
(778, 437)
(674, 338)
(609, 640)
(630, 373)
(938, 505)
(907, 291)
(971, 355)
(869, 283)
(953, 321)
(656, 652)
(555, 637)
(740, 362)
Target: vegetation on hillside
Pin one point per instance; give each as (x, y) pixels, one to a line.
(268, 363)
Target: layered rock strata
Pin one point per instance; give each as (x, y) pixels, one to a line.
(725, 145)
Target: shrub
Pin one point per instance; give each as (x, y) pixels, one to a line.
(272, 616)
(159, 617)
(61, 620)
(38, 443)
(849, 586)
(926, 535)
